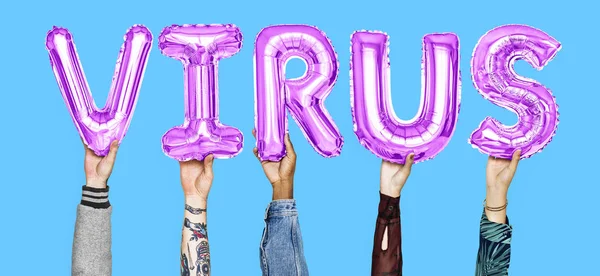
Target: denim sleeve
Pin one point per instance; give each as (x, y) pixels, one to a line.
(281, 250)
(493, 258)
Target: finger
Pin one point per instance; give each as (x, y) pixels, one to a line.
(208, 164)
(254, 133)
(112, 154)
(255, 151)
(410, 160)
(515, 160)
(289, 148)
(85, 146)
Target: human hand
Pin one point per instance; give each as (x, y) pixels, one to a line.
(280, 174)
(196, 179)
(393, 176)
(97, 168)
(500, 172)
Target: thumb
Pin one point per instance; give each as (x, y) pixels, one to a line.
(515, 160)
(208, 164)
(289, 148)
(410, 160)
(112, 154)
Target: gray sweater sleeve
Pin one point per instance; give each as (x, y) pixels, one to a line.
(92, 241)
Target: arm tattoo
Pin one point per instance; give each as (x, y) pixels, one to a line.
(203, 262)
(185, 271)
(199, 236)
(195, 211)
(198, 229)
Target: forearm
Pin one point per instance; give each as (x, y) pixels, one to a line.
(92, 240)
(493, 257)
(195, 255)
(281, 248)
(387, 245)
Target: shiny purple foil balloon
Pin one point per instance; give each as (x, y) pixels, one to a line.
(199, 48)
(99, 127)
(304, 96)
(375, 122)
(495, 78)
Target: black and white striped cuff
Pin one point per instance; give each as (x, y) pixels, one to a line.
(95, 197)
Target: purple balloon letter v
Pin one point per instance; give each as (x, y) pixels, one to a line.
(99, 127)
(199, 48)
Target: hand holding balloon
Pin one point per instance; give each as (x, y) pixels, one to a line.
(394, 176)
(499, 174)
(280, 173)
(196, 178)
(97, 168)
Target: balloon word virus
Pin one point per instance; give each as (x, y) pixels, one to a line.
(200, 48)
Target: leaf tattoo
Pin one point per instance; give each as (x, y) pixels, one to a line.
(198, 229)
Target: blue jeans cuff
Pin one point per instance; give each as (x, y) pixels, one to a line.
(281, 208)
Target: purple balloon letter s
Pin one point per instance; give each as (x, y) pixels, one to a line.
(304, 96)
(495, 79)
(375, 122)
(99, 127)
(199, 48)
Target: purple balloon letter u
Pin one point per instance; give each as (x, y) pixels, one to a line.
(495, 79)
(304, 96)
(375, 122)
(199, 48)
(99, 127)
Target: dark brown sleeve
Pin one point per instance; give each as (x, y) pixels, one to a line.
(387, 262)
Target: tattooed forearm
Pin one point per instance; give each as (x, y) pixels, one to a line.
(195, 258)
(198, 235)
(198, 229)
(195, 211)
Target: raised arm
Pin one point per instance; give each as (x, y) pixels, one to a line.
(387, 246)
(495, 235)
(91, 254)
(281, 247)
(196, 180)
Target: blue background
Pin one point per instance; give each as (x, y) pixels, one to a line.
(553, 199)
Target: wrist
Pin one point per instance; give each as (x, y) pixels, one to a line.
(497, 191)
(95, 183)
(391, 192)
(283, 189)
(196, 201)
(496, 198)
(497, 188)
